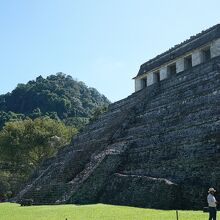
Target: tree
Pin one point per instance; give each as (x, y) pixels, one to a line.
(58, 93)
(24, 144)
(9, 116)
(97, 112)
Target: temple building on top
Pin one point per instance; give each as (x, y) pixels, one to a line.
(184, 56)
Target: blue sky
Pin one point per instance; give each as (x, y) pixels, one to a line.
(99, 42)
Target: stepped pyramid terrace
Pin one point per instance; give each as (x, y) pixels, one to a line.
(159, 147)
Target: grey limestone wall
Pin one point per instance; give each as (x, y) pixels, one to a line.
(141, 191)
(167, 143)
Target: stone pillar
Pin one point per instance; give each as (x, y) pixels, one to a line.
(180, 65)
(150, 79)
(215, 48)
(138, 85)
(163, 73)
(196, 57)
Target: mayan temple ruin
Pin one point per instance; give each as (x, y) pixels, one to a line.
(159, 147)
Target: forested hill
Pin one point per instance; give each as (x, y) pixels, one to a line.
(57, 96)
(37, 119)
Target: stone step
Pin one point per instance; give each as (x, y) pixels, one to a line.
(127, 101)
(175, 93)
(174, 134)
(197, 102)
(184, 118)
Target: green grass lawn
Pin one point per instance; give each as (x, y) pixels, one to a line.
(10, 211)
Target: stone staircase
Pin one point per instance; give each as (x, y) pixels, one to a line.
(80, 160)
(80, 178)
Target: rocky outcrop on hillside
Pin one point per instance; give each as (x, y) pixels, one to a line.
(160, 148)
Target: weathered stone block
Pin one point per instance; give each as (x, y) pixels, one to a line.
(163, 73)
(180, 65)
(215, 48)
(138, 84)
(141, 191)
(197, 57)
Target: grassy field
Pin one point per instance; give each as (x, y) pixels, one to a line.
(10, 211)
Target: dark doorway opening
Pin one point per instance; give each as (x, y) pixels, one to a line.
(188, 62)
